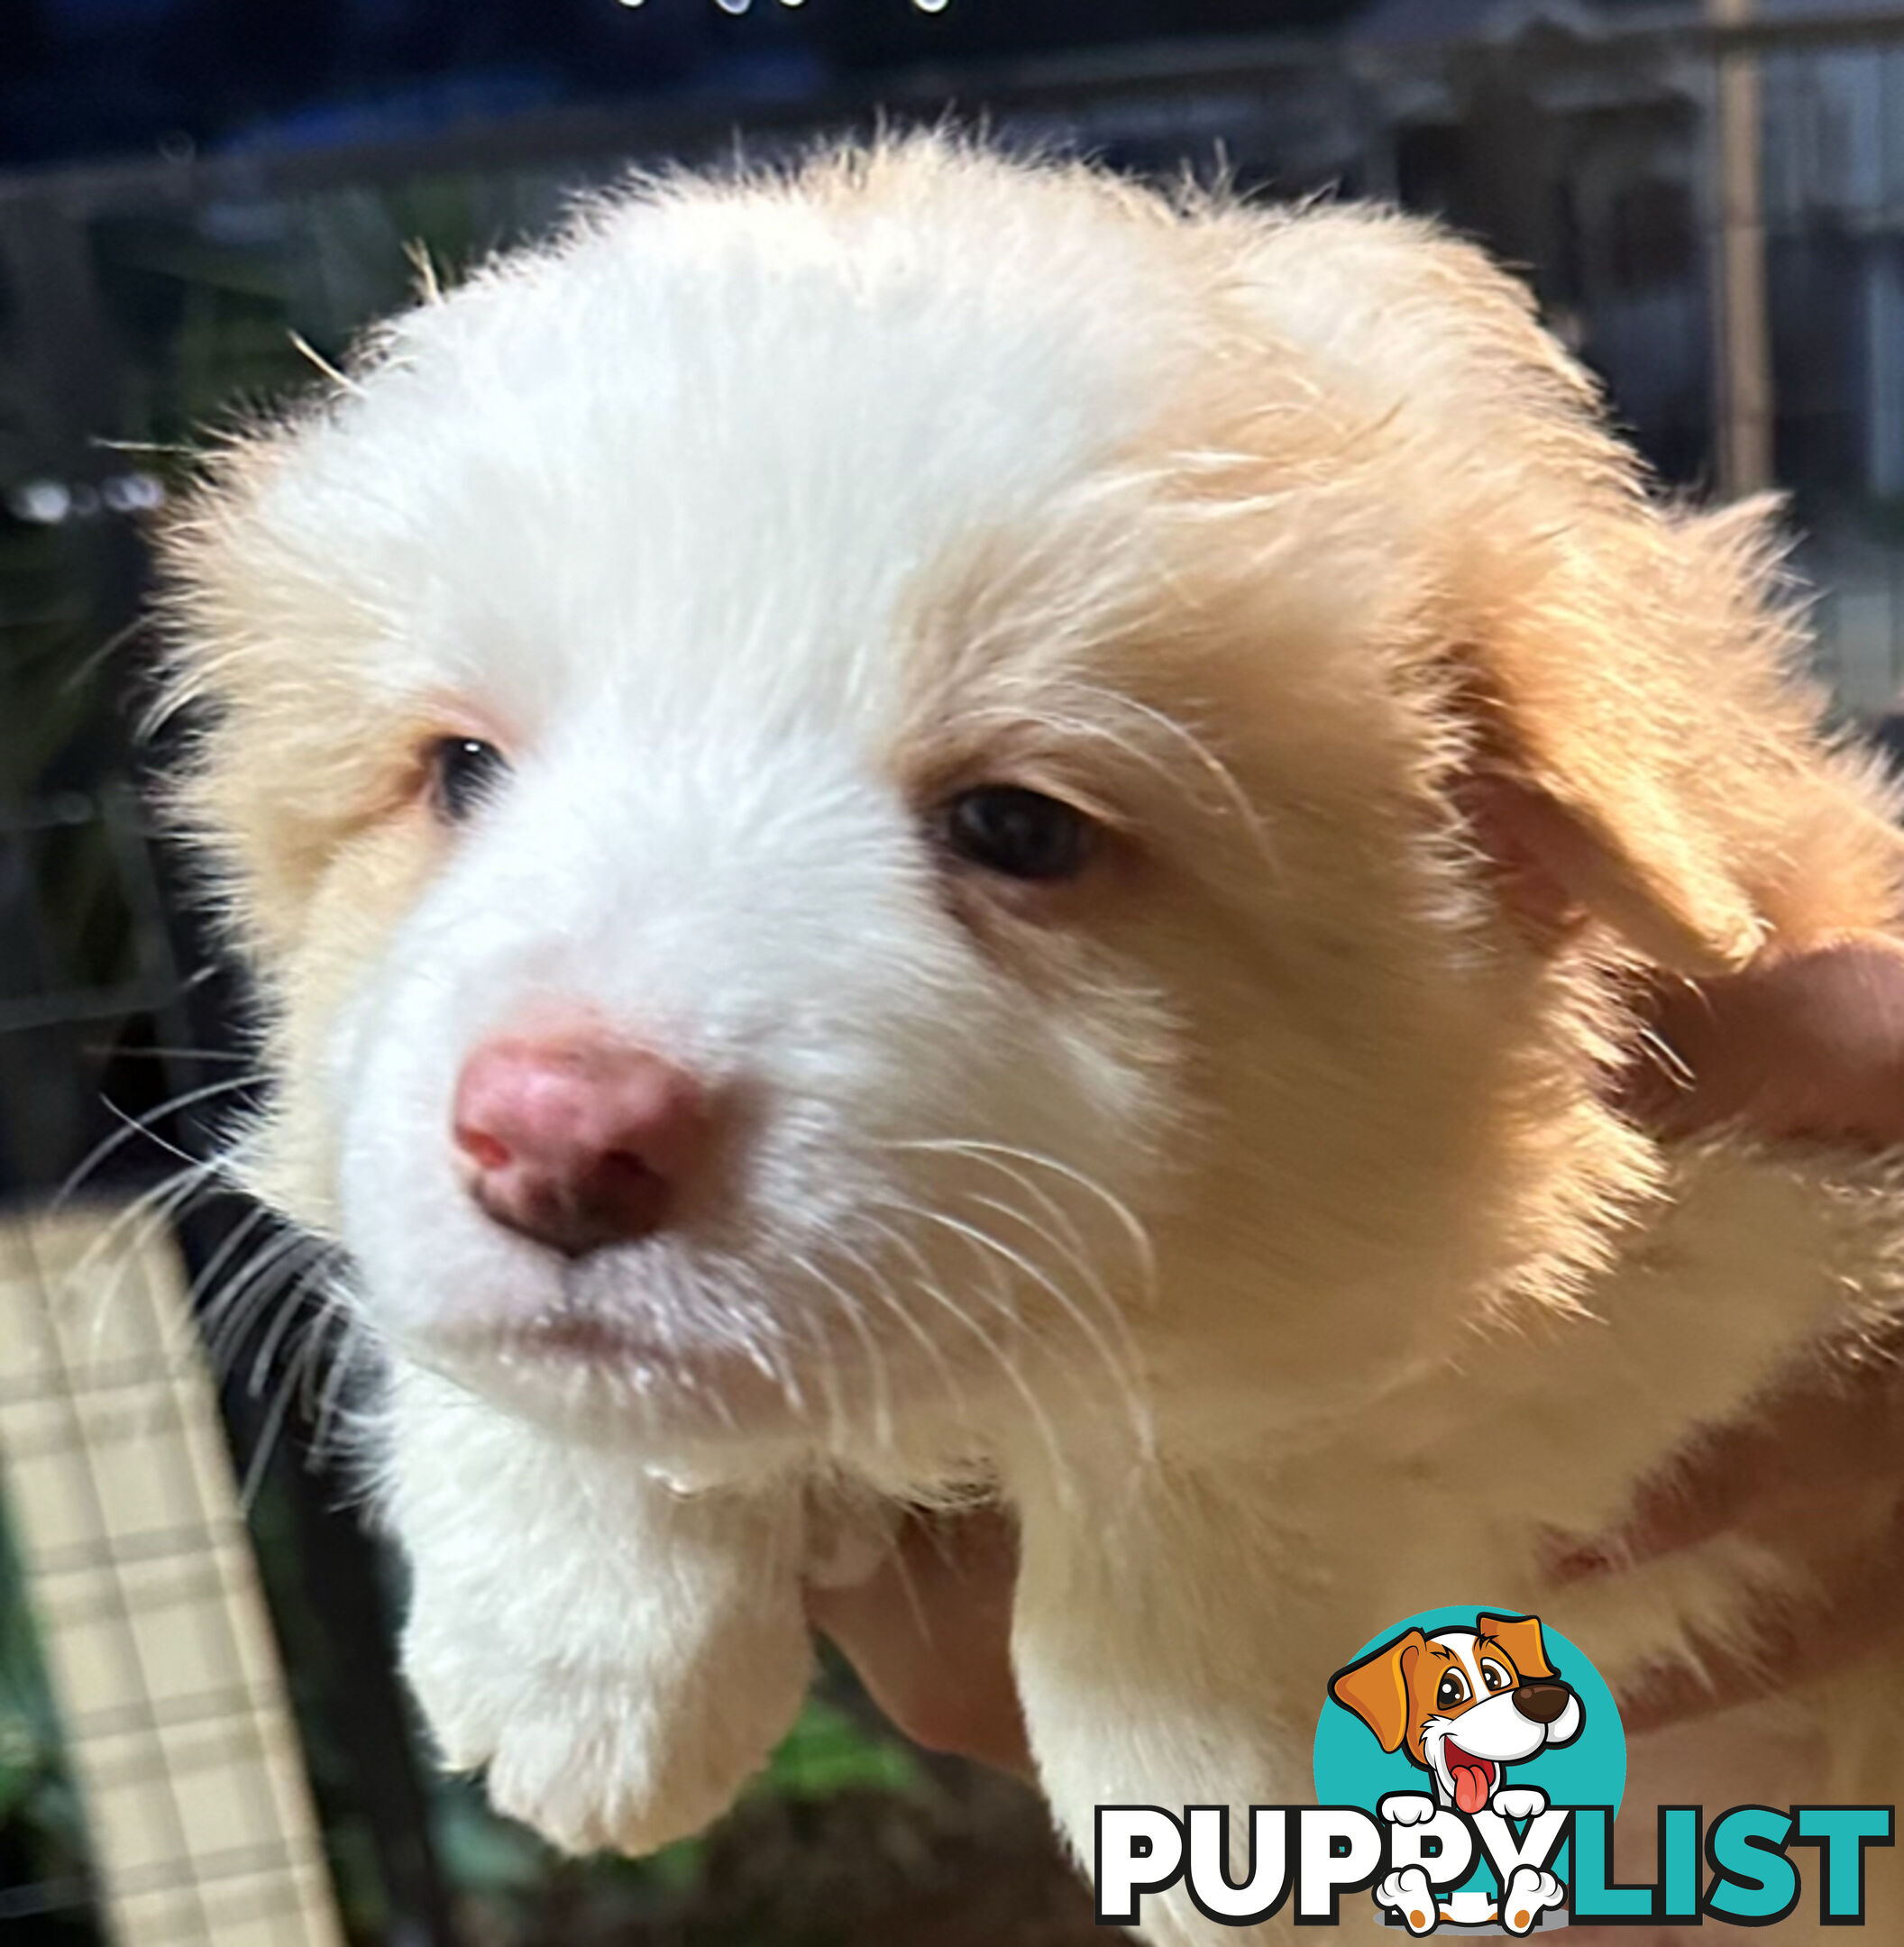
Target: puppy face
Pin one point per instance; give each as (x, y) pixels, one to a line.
(1463, 1703)
(953, 680)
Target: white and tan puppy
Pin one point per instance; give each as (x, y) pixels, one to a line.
(941, 823)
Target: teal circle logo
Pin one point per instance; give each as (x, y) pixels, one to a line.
(1476, 1710)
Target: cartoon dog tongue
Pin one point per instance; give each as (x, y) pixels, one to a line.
(1471, 1777)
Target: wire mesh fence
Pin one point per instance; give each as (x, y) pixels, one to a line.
(136, 1565)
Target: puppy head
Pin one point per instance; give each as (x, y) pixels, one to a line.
(849, 795)
(1463, 1703)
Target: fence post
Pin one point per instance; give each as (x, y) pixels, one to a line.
(1742, 360)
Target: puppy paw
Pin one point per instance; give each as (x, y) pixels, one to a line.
(1520, 1801)
(1408, 1892)
(465, 1692)
(589, 1768)
(1529, 1894)
(1407, 1808)
(600, 1760)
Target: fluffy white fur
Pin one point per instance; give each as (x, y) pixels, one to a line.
(1246, 1213)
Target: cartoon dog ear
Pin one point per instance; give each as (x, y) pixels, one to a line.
(1521, 1638)
(1376, 1688)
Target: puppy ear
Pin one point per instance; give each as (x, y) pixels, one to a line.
(1637, 751)
(1376, 1688)
(1558, 863)
(1582, 781)
(1618, 678)
(1521, 1638)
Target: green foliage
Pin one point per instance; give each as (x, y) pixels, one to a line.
(828, 1753)
(42, 1835)
(485, 1858)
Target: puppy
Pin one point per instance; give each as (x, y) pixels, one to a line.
(938, 825)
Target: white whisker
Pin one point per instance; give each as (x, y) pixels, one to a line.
(930, 1286)
(235, 1309)
(145, 1215)
(1126, 1360)
(280, 1406)
(141, 1126)
(980, 1238)
(882, 1286)
(869, 1344)
(1128, 1218)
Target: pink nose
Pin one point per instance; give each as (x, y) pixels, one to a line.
(578, 1141)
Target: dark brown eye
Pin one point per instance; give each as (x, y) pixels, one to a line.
(1020, 834)
(465, 774)
(1453, 1690)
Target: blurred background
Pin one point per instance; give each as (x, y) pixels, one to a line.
(201, 1738)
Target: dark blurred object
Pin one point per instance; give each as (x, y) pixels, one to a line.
(956, 1858)
(87, 79)
(892, 33)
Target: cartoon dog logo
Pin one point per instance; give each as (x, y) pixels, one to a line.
(1463, 1704)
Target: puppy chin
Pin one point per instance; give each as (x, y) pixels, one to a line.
(596, 1381)
(637, 1345)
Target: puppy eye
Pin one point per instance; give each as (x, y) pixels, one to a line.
(1453, 1690)
(1497, 1679)
(465, 773)
(1020, 834)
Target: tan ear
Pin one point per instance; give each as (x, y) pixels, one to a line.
(1376, 1688)
(1558, 863)
(1521, 1638)
(1640, 755)
(1624, 672)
